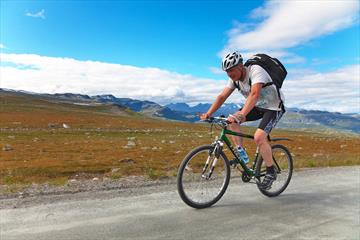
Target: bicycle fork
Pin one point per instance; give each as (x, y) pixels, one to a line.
(216, 151)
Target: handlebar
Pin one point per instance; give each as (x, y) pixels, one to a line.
(217, 120)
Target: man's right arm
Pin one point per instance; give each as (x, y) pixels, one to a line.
(221, 98)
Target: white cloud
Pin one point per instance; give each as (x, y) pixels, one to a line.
(282, 25)
(2, 46)
(286, 24)
(216, 70)
(40, 14)
(55, 75)
(333, 91)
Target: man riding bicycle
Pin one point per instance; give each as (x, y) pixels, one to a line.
(263, 101)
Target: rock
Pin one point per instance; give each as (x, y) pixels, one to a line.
(52, 125)
(11, 137)
(65, 125)
(317, 154)
(21, 195)
(95, 179)
(127, 161)
(172, 142)
(343, 145)
(131, 144)
(7, 147)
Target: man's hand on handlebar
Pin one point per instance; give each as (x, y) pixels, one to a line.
(236, 118)
(205, 116)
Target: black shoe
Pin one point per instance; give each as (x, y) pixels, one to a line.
(268, 181)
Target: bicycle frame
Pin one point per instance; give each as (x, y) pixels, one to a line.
(224, 138)
(189, 181)
(249, 171)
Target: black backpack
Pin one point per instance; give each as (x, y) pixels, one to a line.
(273, 67)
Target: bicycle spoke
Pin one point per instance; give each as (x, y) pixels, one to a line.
(283, 165)
(202, 187)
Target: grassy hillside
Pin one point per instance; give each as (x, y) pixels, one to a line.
(111, 141)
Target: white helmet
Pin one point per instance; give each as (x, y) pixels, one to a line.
(231, 60)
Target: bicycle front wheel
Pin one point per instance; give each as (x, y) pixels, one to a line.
(198, 186)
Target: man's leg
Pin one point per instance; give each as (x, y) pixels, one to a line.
(261, 141)
(260, 138)
(268, 122)
(253, 115)
(238, 141)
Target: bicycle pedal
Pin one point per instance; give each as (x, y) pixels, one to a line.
(233, 163)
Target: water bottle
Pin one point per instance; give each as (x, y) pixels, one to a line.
(243, 155)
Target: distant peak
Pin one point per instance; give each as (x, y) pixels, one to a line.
(108, 96)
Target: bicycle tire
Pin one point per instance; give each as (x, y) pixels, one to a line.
(289, 168)
(184, 192)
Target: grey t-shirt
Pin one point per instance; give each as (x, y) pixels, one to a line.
(269, 98)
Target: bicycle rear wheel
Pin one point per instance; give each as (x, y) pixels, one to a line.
(283, 164)
(196, 188)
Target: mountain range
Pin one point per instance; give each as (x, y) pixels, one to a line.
(294, 117)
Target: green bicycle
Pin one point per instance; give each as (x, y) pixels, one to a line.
(204, 174)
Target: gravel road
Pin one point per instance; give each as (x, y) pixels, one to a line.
(318, 204)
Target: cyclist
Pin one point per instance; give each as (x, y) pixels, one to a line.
(262, 102)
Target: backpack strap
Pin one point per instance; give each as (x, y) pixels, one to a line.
(263, 86)
(236, 85)
(281, 104)
(253, 62)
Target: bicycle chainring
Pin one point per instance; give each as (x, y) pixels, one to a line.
(245, 177)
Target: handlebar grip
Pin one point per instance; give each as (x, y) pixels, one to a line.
(209, 120)
(214, 119)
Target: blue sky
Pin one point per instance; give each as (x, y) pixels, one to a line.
(181, 36)
(171, 50)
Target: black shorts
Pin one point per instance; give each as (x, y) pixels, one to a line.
(269, 118)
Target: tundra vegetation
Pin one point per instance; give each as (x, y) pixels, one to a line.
(55, 142)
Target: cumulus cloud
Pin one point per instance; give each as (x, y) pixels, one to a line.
(336, 91)
(332, 91)
(55, 75)
(216, 70)
(40, 14)
(286, 24)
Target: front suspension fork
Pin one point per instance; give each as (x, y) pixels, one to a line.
(216, 151)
